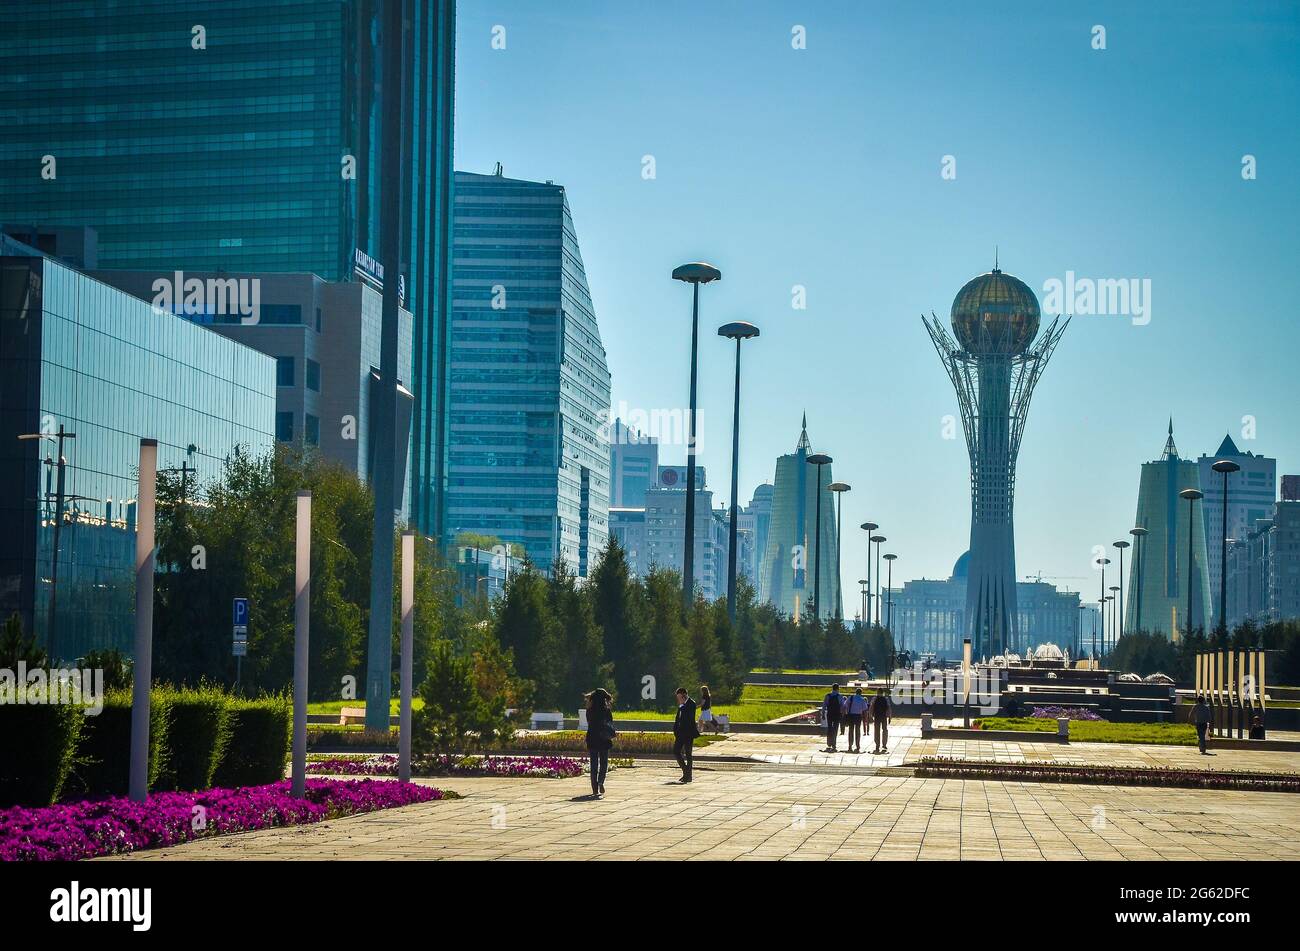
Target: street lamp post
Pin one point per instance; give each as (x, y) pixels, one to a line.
(868, 527)
(1226, 467)
(1078, 639)
(1114, 624)
(142, 659)
(60, 499)
(839, 488)
(737, 331)
(695, 274)
(1139, 566)
(1119, 626)
(879, 540)
(1191, 495)
(889, 587)
(818, 459)
(1103, 562)
(864, 582)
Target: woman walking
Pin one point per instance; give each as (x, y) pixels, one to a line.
(706, 709)
(600, 737)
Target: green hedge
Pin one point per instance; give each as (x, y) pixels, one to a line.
(38, 746)
(104, 754)
(198, 734)
(259, 742)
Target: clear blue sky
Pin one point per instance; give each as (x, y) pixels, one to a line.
(821, 167)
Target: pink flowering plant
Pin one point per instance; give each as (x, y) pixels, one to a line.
(117, 825)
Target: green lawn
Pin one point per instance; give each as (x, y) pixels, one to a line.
(1093, 731)
(812, 695)
(334, 706)
(818, 671)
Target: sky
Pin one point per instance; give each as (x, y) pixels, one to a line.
(878, 167)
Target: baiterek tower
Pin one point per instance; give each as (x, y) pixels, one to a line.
(994, 364)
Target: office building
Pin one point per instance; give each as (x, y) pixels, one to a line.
(242, 136)
(1156, 599)
(633, 465)
(529, 383)
(756, 519)
(1264, 565)
(1252, 490)
(78, 354)
(789, 562)
(325, 339)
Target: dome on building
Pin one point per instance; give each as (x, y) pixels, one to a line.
(961, 568)
(995, 313)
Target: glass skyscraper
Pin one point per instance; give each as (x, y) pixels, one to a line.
(240, 136)
(78, 354)
(530, 459)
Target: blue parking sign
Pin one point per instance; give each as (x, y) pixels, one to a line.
(240, 613)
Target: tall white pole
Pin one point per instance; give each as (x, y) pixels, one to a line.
(301, 633)
(138, 786)
(408, 642)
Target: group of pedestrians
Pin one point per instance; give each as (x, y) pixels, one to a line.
(850, 713)
(601, 733)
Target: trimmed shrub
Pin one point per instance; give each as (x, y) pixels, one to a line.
(38, 746)
(104, 755)
(259, 742)
(198, 733)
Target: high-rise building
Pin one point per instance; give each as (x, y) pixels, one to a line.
(243, 136)
(633, 465)
(325, 339)
(994, 364)
(664, 525)
(530, 388)
(80, 356)
(756, 518)
(788, 567)
(1264, 566)
(1252, 490)
(1158, 574)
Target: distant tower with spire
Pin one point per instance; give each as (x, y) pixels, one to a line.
(783, 577)
(1160, 604)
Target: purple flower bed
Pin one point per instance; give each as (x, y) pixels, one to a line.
(385, 764)
(91, 828)
(1072, 713)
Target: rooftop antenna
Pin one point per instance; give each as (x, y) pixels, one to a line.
(500, 170)
(995, 260)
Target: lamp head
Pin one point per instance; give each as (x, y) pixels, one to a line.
(819, 459)
(1225, 466)
(1191, 495)
(738, 330)
(869, 526)
(696, 272)
(839, 487)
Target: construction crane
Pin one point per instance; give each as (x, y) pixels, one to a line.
(1040, 576)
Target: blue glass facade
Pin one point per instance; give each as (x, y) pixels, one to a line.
(111, 369)
(252, 146)
(529, 382)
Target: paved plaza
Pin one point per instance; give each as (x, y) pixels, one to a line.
(790, 802)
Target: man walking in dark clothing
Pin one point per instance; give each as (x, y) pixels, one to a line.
(684, 732)
(1201, 719)
(880, 720)
(831, 710)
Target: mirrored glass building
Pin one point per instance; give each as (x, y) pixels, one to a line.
(80, 355)
(529, 385)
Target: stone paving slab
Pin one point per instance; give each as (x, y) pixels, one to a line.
(907, 747)
(761, 812)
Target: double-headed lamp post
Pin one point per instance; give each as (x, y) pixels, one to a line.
(868, 527)
(1226, 467)
(1191, 495)
(879, 540)
(818, 459)
(839, 488)
(1103, 562)
(1119, 624)
(1138, 566)
(736, 330)
(695, 274)
(889, 588)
